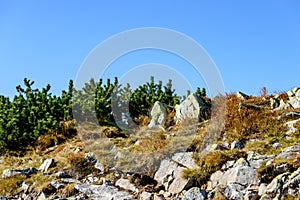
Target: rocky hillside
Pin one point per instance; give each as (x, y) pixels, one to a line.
(256, 156)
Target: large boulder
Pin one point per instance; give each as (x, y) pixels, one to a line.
(193, 107)
(158, 115)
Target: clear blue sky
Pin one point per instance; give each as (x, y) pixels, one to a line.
(254, 43)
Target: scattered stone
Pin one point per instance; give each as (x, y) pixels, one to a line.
(158, 115)
(291, 127)
(146, 196)
(126, 185)
(276, 145)
(242, 95)
(195, 193)
(185, 159)
(236, 145)
(62, 174)
(46, 165)
(69, 180)
(25, 187)
(57, 185)
(27, 172)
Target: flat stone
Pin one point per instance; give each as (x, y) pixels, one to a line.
(185, 159)
(126, 185)
(46, 165)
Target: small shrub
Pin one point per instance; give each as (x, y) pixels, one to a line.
(80, 167)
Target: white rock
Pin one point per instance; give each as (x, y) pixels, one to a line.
(146, 196)
(191, 108)
(195, 193)
(126, 185)
(46, 165)
(185, 159)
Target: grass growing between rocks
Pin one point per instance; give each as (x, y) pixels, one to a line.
(268, 171)
(209, 163)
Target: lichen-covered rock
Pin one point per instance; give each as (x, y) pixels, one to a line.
(185, 159)
(193, 107)
(195, 193)
(158, 115)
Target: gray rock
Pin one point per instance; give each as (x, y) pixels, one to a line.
(236, 145)
(290, 125)
(25, 187)
(195, 194)
(293, 180)
(166, 170)
(69, 180)
(289, 152)
(103, 192)
(251, 192)
(27, 172)
(158, 115)
(241, 174)
(46, 165)
(126, 185)
(57, 185)
(234, 191)
(277, 183)
(146, 196)
(62, 174)
(178, 184)
(242, 95)
(169, 175)
(193, 107)
(185, 159)
(262, 189)
(276, 145)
